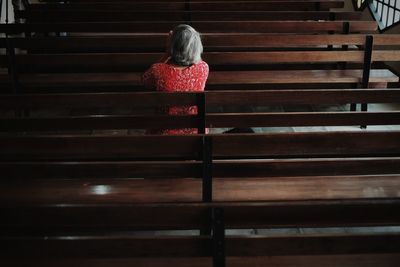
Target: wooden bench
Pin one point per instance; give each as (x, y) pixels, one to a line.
(186, 16)
(229, 70)
(288, 5)
(139, 110)
(212, 42)
(115, 250)
(60, 205)
(201, 26)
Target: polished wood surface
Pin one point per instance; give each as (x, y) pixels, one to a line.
(202, 5)
(290, 97)
(212, 120)
(78, 199)
(198, 246)
(211, 41)
(201, 26)
(125, 191)
(99, 147)
(351, 260)
(184, 169)
(238, 215)
(213, 98)
(103, 100)
(69, 80)
(294, 119)
(109, 61)
(139, 1)
(310, 144)
(126, 15)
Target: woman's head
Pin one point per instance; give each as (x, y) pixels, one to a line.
(186, 46)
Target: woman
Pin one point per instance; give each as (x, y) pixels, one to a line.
(180, 70)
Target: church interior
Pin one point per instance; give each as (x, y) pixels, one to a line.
(295, 159)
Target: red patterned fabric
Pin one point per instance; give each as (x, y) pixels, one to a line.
(167, 78)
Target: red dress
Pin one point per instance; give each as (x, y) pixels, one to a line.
(167, 78)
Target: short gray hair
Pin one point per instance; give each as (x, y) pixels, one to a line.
(186, 46)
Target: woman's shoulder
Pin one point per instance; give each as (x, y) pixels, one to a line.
(202, 66)
(159, 65)
(158, 69)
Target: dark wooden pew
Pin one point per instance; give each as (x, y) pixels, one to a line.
(136, 116)
(139, 1)
(78, 199)
(212, 42)
(187, 16)
(21, 197)
(111, 250)
(357, 147)
(309, 64)
(125, 61)
(287, 5)
(70, 82)
(201, 26)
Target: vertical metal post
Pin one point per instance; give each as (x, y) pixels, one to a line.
(387, 14)
(218, 237)
(12, 66)
(207, 169)
(345, 30)
(207, 178)
(318, 6)
(7, 12)
(201, 113)
(206, 148)
(369, 41)
(332, 16)
(206, 155)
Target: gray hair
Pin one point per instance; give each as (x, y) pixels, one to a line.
(186, 46)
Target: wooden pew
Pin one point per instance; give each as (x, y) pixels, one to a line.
(52, 216)
(288, 5)
(211, 41)
(358, 148)
(111, 250)
(139, 115)
(92, 62)
(139, 1)
(187, 16)
(201, 26)
(96, 11)
(306, 65)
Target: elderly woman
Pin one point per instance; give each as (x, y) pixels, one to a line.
(180, 70)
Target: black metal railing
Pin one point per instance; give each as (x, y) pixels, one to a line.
(385, 12)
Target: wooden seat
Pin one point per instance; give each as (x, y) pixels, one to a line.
(217, 80)
(309, 63)
(198, 6)
(138, 116)
(201, 26)
(54, 216)
(96, 15)
(47, 150)
(211, 41)
(372, 249)
(88, 199)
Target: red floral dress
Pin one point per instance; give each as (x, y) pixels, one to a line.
(167, 78)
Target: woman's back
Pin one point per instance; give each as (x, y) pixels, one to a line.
(182, 70)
